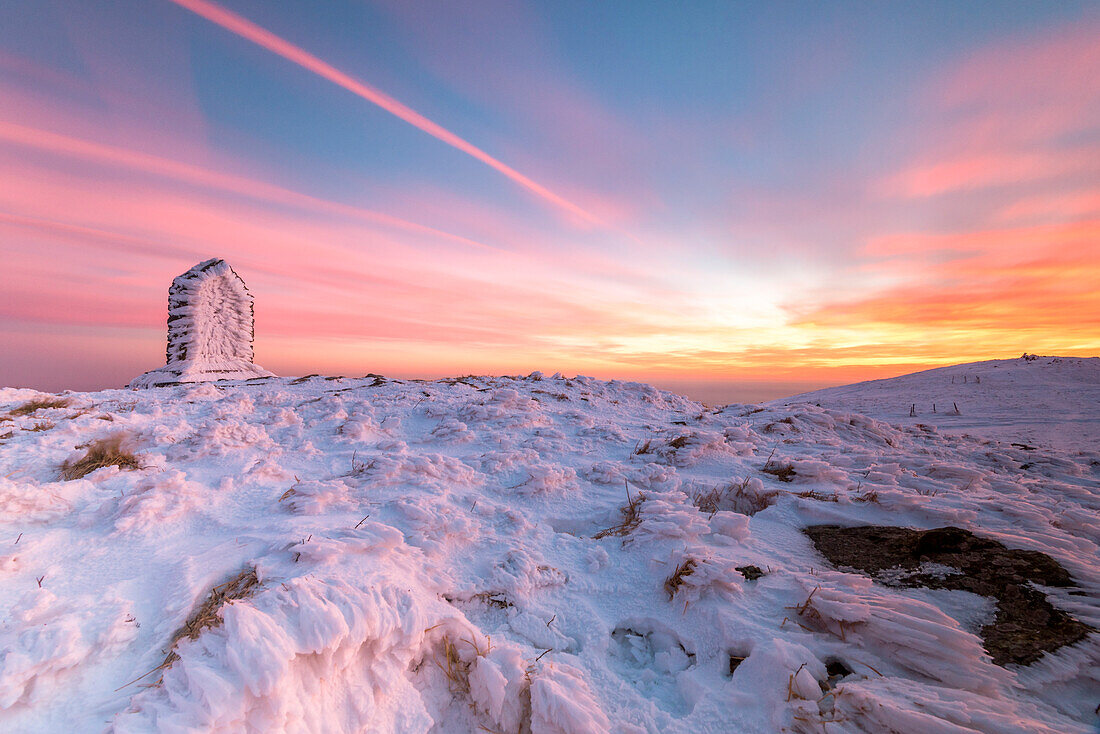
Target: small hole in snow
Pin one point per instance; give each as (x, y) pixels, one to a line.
(836, 670)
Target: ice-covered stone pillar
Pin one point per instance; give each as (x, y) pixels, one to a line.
(209, 329)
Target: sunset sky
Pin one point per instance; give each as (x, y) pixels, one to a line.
(784, 195)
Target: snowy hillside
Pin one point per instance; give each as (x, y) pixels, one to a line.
(535, 555)
(1040, 401)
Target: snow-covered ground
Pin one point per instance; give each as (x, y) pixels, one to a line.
(1040, 401)
(430, 557)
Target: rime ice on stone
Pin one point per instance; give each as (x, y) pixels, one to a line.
(209, 329)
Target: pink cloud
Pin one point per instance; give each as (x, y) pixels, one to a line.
(1005, 116)
(982, 170)
(1029, 88)
(135, 160)
(81, 254)
(1072, 205)
(1004, 242)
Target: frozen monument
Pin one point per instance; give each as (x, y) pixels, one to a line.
(209, 329)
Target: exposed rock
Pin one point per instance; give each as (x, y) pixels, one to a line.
(1026, 623)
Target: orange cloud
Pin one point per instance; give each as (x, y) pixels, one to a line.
(1037, 286)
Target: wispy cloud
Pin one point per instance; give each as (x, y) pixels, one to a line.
(982, 170)
(51, 142)
(1019, 111)
(262, 37)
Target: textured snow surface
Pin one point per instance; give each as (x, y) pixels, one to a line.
(427, 563)
(210, 328)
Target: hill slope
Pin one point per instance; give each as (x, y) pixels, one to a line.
(1040, 401)
(510, 554)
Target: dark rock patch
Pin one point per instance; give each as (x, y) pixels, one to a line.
(1026, 624)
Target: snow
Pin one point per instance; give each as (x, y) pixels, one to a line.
(1038, 401)
(427, 559)
(210, 329)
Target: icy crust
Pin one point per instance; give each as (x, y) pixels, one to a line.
(508, 554)
(210, 329)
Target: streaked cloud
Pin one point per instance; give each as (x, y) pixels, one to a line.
(254, 33)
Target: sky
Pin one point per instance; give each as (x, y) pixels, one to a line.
(735, 200)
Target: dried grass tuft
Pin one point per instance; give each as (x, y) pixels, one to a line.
(812, 494)
(783, 473)
(32, 406)
(457, 670)
(736, 497)
(709, 502)
(676, 580)
(631, 518)
(748, 501)
(206, 616)
(104, 452)
(454, 667)
(494, 599)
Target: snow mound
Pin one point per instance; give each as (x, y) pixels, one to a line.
(515, 554)
(210, 329)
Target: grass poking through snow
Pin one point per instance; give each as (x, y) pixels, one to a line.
(676, 580)
(104, 452)
(32, 406)
(207, 616)
(783, 473)
(708, 502)
(631, 518)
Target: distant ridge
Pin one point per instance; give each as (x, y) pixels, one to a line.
(1034, 400)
